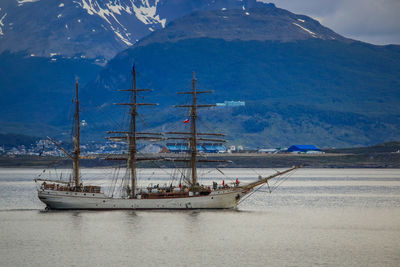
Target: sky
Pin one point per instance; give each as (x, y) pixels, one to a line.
(372, 21)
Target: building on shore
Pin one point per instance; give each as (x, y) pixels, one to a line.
(231, 104)
(268, 150)
(308, 149)
(201, 148)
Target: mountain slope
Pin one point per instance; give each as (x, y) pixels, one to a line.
(90, 28)
(263, 23)
(327, 92)
(299, 87)
(36, 93)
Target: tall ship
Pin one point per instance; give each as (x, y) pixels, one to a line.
(185, 193)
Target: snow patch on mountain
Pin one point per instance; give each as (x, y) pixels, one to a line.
(147, 13)
(93, 8)
(121, 37)
(21, 2)
(111, 12)
(126, 41)
(305, 29)
(2, 23)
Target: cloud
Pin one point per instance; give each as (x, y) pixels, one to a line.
(375, 21)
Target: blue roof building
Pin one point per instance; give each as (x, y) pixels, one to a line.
(205, 148)
(303, 148)
(231, 104)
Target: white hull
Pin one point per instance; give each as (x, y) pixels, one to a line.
(219, 199)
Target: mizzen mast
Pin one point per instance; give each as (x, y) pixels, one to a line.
(193, 115)
(193, 130)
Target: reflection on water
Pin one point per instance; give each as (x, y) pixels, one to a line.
(316, 217)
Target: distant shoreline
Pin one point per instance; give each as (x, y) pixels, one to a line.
(239, 160)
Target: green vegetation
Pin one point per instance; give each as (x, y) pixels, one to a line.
(326, 93)
(36, 93)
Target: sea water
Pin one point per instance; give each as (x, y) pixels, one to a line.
(328, 217)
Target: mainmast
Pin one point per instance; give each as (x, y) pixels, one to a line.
(76, 131)
(132, 135)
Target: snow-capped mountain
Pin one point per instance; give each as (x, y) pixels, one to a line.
(262, 23)
(91, 28)
(300, 81)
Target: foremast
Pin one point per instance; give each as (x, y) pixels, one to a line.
(75, 155)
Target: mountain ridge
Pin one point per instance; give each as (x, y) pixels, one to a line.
(327, 92)
(263, 23)
(310, 90)
(91, 28)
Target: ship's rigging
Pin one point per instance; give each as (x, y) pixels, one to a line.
(192, 137)
(58, 194)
